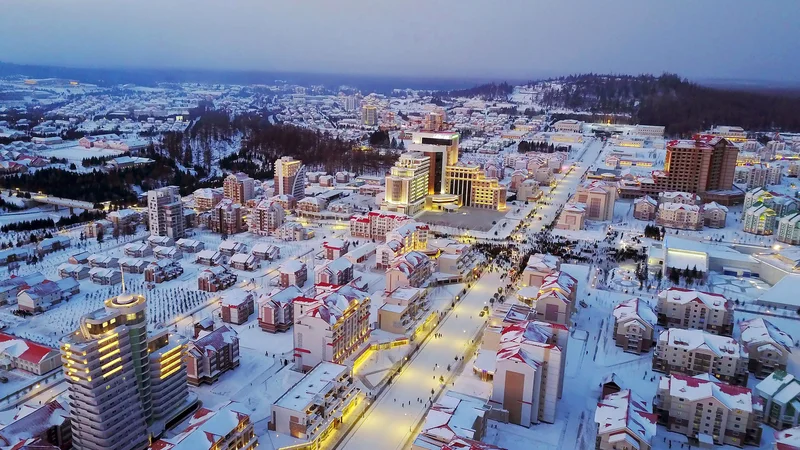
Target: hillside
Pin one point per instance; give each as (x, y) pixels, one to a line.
(684, 107)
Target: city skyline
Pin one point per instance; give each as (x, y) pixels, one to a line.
(463, 40)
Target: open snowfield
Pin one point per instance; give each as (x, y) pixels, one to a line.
(77, 153)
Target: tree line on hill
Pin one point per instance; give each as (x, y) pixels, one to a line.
(487, 91)
(38, 224)
(682, 106)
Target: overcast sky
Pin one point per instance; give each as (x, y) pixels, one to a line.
(742, 39)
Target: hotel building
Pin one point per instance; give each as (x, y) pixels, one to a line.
(290, 177)
(122, 386)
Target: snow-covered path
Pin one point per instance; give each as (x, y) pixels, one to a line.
(388, 423)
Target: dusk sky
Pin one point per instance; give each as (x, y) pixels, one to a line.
(516, 39)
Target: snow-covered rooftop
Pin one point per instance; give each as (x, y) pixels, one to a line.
(636, 309)
(699, 339)
(682, 296)
(704, 386)
(624, 411)
(760, 331)
(315, 383)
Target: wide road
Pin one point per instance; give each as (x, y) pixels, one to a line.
(566, 186)
(388, 423)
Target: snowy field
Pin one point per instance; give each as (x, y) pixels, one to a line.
(77, 153)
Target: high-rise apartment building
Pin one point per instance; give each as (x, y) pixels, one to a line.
(698, 166)
(238, 187)
(442, 149)
(123, 386)
(332, 326)
(433, 121)
(407, 184)
(529, 371)
(165, 211)
(290, 177)
(267, 217)
(350, 103)
(704, 166)
(227, 218)
(369, 115)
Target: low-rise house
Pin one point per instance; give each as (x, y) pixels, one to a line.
(387, 252)
(45, 295)
(714, 215)
(695, 352)
(162, 270)
(266, 252)
(190, 245)
(338, 272)
(137, 250)
(229, 248)
(361, 254)
(11, 255)
(401, 310)
(237, 305)
(132, 265)
(688, 308)
(208, 258)
(243, 261)
(334, 248)
(216, 278)
(100, 275)
(634, 325)
(161, 252)
(11, 287)
(680, 216)
(708, 411)
(79, 258)
(316, 404)
(41, 427)
(18, 353)
(226, 428)
(767, 346)
(780, 394)
(537, 268)
(92, 229)
(311, 206)
(644, 208)
(52, 244)
(293, 231)
(572, 217)
(788, 439)
(624, 421)
(123, 218)
(75, 271)
(454, 417)
(103, 261)
(409, 270)
(211, 355)
(275, 310)
(292, 273)
(160, 241)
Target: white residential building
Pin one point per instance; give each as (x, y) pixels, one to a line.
(165, 212)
